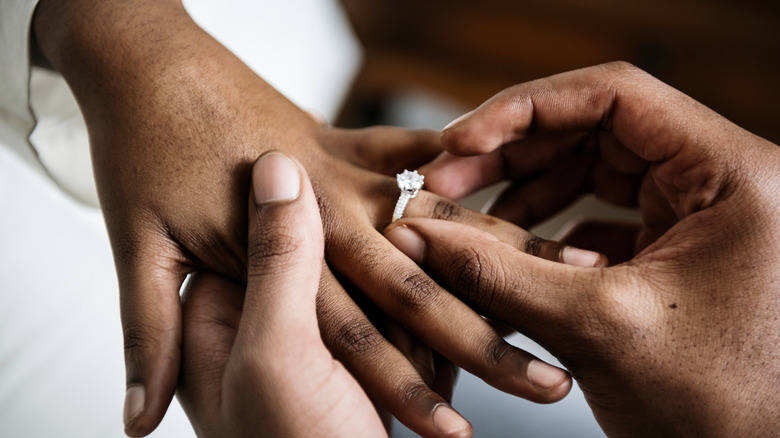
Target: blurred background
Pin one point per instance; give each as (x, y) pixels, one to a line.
(359, 63)
(724, 53)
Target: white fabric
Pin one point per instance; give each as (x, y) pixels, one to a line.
(16, 120)
(61, 355)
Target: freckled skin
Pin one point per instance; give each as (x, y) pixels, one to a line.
(682, 339)
(175, 122)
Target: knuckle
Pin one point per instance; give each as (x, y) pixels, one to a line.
(534, 245)
(142, 339)
(417, 292)
(542, 248)
(356, 338)
(368, 252)
(467, 272)
(273, 245)
(136, 338)
(496, 348)
(410, 391)
(480, 283)
(445, 209)
(620, 73)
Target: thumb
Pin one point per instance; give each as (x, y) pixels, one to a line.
(285, 256)
(279, 356)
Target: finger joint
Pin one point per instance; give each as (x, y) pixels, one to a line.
(417, 292)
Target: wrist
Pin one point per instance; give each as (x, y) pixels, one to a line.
(134, 64)
(106, 49)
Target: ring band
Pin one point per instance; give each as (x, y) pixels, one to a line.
(410, 184)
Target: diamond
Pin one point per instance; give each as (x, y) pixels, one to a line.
(410, 181)
(410, 184)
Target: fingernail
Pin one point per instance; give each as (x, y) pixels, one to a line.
(458, 120)
(275, 178)
(135, 398)
(581, 257)
(545, 376)
(449, 422)
(408, 241)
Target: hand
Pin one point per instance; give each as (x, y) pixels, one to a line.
(175, 122)
(253, 362)
(682, 339)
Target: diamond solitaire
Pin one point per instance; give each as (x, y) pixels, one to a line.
(410, 184)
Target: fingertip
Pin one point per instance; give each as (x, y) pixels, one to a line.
(134, 406)
(458, 140)
(408, 241)
(584, 258)
(551, 383)
(276, 178)
(474, 133)
(457, 137)
(151, 320)
(147, 401)
(457, 122)
(449, 423)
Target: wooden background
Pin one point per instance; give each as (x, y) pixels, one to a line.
(725, 54)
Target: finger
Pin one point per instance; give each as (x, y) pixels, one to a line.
(655, 122)
(386, 375)
(211, 311)
(383, 149)
(436, 207)
(528, 293)
(284, 257)
(529, 203)
(576, 101)
(446, 375)
(454, 176)
(417, 353)
(426, 204)
(617, 240)
(657, 214)
(279, 357)
(500, 328)
(403, 291)
(150, 276)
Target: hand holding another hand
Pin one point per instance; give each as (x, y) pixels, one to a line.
(175, 122)
(682, 340)
(254, 364)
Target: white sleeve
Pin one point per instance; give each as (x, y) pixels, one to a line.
(16, 118)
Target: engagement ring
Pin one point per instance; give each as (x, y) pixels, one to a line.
(410, 184)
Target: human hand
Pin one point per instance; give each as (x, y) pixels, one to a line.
(682, 339)
(253, 362)
(175, 122)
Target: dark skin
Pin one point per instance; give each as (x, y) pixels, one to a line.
(253, 362)
(175, 122)
(681, 340)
